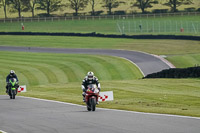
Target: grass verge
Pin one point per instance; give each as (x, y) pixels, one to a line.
(159, 47)
(109, 26)
(59, 76)
(43, 69)
(169, 96)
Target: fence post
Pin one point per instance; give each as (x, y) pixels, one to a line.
(135, 27)
(153, 26)
(147, 26)
(159, 26)
(11, 20)
(38, 19)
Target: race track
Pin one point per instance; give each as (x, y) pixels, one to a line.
(27, 115)
(146, 63)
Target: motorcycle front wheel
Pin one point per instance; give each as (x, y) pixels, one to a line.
(93, 104)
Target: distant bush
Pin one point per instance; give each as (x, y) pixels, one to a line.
(97, 13)
(191, 72)
(160, 11)
(44, 15)
(119, 13)
(198, 10)
(192, 9)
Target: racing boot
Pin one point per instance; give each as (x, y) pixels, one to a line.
(83, 94)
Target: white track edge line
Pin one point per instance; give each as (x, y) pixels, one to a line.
(153, 114)
(3, 131)
(134, 64)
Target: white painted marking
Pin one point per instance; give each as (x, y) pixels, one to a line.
(125, 111)
(133, 64)
(3, 131)
(165, 61)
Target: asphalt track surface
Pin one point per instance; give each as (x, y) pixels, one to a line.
(29, 115)
(147, 63)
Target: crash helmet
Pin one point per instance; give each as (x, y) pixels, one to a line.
(12, 72)
(90, 75)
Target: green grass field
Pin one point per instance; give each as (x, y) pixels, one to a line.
(110, 26)
(43, 69)
(159, 47)
(59, 76)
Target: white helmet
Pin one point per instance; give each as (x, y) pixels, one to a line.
(12, 72)
(90, 75)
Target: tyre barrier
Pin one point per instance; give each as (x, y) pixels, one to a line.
(94, 34)
(191, 72)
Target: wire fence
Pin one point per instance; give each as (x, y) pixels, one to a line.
(113, 17)
(165, 26)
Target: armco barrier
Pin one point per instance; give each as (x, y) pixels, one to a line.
(93, 34)
(191, 72)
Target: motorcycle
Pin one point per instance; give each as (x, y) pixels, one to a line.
(12, 88)
(91, 97)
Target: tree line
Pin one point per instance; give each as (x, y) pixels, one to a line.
(50, 6)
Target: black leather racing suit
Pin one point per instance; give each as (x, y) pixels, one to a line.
(87, 82)
(9, 77)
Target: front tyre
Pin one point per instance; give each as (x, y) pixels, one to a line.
(88, 108)
(13, 94)
(93, 104)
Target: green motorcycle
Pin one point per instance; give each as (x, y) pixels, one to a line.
(12, 88)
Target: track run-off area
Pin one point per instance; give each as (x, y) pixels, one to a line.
(34, 115)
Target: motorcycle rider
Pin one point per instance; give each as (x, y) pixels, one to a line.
(11, 75)
(89, 79)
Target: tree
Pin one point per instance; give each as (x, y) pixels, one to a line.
(109, 4)
(93, 3)
(19, 6)
(50, 5)
(143, 4)
(32, 4)
(4, 3)
(78, 5)
(176, 3)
